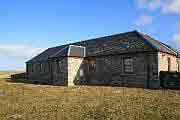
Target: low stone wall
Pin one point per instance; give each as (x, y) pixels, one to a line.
(19, 76)
(170, 79)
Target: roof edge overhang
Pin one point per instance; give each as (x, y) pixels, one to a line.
(146, 41)
(64, 57)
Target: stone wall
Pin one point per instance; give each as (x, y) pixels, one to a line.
(50, 73)
(109, 71)
(178, 60)
(170, 79)
(34, 74)
(152, 70)
(74, 69)
(59, 71)
(106, 55)
(163, 62)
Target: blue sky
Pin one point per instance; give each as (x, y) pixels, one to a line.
(29, 26)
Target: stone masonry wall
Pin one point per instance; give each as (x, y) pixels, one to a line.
(36, 75)
(163, 62)
(74, 67)
(50, 73)
(178, 60)
(109, 71)
(59, 71)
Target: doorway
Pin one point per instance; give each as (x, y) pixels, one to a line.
(169, 64)
(148, 75)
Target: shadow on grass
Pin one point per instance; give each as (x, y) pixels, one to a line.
(16, 80)
(21, 78)
(25, 81)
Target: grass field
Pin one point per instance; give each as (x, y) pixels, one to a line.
(20, 101)
(7, 74)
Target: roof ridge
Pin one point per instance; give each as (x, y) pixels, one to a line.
(87, 40)
(142, 35)
(167, 47)
(173, 49)
(163, 44)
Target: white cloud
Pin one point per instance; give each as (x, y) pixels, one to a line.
(165, 6)
(172, 6)
(13, 56)
(144, 20)
(176, 41)
(148, 4)
(19, 51)
(155, 4)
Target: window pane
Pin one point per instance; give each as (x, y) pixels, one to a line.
(128, 65)
(41, 67)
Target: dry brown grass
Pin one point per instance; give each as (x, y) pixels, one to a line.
(38, 102)
(7, 74)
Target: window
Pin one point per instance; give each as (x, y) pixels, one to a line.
(125, 45)
(92, 66)
(40, 67)
(81, 73)
(48, 67)
(128, 65)
(59, 66)
(31, 67)
(108, 60)
(45, 67)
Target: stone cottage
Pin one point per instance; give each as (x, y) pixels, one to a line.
(125, 59)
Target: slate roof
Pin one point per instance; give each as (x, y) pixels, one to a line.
(160, 46)
(46, 54)
(63, 49)
(70, 50)
(61, 53)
